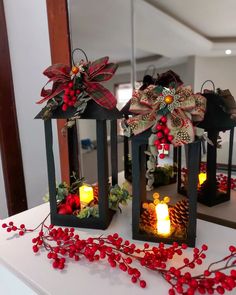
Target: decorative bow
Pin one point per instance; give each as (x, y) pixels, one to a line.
(177, 107)
(83, 78)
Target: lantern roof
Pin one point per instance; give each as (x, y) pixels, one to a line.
(215, 117)
(92, 111)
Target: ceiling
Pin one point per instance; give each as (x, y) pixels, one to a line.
(211, 18)
(172, 29)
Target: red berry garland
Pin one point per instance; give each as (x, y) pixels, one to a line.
(64, 244)
(164, 139)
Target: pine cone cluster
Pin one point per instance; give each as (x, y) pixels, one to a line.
(148, 218)
(179, 214)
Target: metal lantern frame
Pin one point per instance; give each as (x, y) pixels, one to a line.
(215, 121)
(101, 115)
(139, 145)
(209, 194)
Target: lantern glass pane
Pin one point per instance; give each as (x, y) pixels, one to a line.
(164, 214)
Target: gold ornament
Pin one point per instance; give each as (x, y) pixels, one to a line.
(168, 99)
(75, 70)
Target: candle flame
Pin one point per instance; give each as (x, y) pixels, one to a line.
(202, 178)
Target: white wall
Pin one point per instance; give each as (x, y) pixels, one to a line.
(30, 55)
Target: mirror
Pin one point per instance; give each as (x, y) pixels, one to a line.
(185, 36)
(102, 29)
(188, 38)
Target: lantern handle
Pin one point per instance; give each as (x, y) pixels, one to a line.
(79, 50)
(213, 85)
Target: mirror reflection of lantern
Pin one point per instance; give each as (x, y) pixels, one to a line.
(201, 178)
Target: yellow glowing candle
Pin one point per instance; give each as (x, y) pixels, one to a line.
(163, 219)
(202, 178)
(85, 194)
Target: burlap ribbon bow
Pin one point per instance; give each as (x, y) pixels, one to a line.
(180, 106)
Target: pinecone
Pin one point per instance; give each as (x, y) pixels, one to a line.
(95, 194)
(148, 218)
(179, 214)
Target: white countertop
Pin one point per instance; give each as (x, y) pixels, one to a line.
(84, 277)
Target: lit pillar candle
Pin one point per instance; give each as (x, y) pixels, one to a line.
(163, 219)
(202, 178)
(85, 194)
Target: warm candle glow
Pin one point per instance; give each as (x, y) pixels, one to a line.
(202, 178)
(163, 219)
(86, 194)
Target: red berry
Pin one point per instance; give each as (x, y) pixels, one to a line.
(186, 260)
(207, 273)
(70, 103)
(4, 225)
(146, 245)
(78, 91)
(170, 137)
(55, 264)
(162, 156)
(64, 107)
(134, 279)
(159, 134)
(142, 284)
(21, 233)
(166, 130)
(220, 290)
(156, 142)
(35, 249)
(158, 127)
(204, 247)
(70, 84)
(163, 119)
(163, 140)
(72, 92)
(167, 147)
(8, 229)
(199, 261)
(232, 249)
(171, 292)
(11, 223)
(159, 147)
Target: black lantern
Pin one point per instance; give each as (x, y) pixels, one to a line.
(101, 115)
(212, 191)
(148, 220)
(162, 175)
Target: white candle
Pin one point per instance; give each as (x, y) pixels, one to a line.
(86, 194)
(163, 219)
